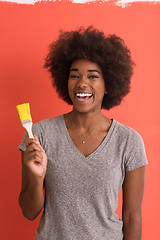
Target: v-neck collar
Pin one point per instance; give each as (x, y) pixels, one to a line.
(97, 150)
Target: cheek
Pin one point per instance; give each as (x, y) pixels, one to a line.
(103, 87)
(100, 87)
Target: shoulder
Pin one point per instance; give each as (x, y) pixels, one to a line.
(127, 132)
(129, 139)
(133, 147)
(48, 130)
(48, 123)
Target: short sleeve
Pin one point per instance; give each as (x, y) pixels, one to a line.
(135, 155)
(36, 129)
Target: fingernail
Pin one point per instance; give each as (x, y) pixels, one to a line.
(37, 142)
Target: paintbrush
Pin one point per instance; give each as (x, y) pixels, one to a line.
(25, 117)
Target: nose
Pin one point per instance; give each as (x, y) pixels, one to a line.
(82, 82)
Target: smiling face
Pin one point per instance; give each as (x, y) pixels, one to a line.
(86, 86)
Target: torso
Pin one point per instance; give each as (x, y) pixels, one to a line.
(93, 141)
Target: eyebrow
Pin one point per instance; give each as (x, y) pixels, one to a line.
(76, 69)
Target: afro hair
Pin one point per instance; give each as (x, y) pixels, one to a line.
(109, 52)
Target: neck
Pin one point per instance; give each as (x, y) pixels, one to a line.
(86, 121)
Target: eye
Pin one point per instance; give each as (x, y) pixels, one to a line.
(73, 76)
(93, 76)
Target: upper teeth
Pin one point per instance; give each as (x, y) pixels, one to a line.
(84, 94)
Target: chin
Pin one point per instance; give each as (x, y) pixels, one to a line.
(85, 109)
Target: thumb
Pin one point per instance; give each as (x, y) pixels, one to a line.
(28, 141)
(36, 138)
(37, 141)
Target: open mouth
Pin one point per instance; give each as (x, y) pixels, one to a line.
(83, 97)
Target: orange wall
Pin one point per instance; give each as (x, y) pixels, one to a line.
(25, 33)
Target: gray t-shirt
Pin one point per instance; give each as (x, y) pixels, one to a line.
(81, 193)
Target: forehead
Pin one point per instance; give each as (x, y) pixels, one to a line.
(85, 64)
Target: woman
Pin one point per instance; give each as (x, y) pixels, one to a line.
(82, 158)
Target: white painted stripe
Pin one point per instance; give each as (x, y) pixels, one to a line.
(124, 3)
(86, 1)
(121, 3)
(25, 1)
(19, 1)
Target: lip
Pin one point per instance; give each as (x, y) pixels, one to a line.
(83, 100)
(82, 92)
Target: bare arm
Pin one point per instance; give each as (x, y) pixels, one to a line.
(34, 164)
(133, 189)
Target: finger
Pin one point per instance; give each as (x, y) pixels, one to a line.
(33, 147)
(38, 159)
(28, 141)
(33, 156)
